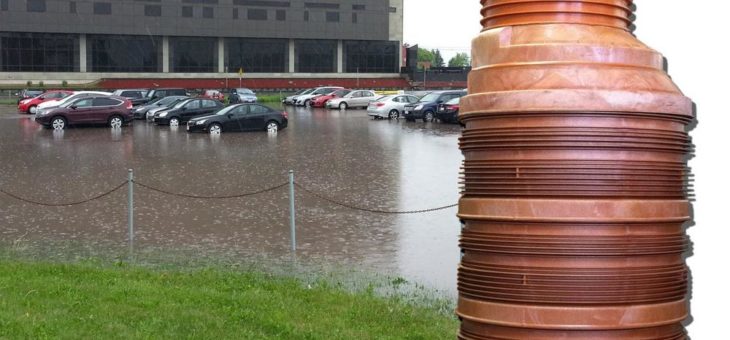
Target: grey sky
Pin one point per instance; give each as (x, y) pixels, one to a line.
(446, 25)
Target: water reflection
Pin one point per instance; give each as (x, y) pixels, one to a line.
(344, 155)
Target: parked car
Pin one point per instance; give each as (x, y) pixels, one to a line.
(290, 100)
(136, 96)
(390, 107)
(426, 107)
(186, 110)
(357, 98)
(322, 100)
(140, 112)
(114, 111)
(76, 95)
(240, 117)
(306, 99)
(213, 94)
(29, 105)
(155, 94)
(27, 94)
(448, 112)
(242, 95)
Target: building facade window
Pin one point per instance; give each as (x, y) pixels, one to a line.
(306, 15)
(208, 12)
(3, 5)
(257, 55)
(72, 7)
(392, 10)
(280, 15)
(194, 55)
(102, 8)
(358, 7)
(257, 14)
(315, 56)
(371, 56)
(187, 11)
(153, 10)
(120, 53)
(39, 52)
(36, 5)
(354, 18)
(235, 13)
(333, 16)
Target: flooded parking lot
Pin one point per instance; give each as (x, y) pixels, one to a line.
(343, 155)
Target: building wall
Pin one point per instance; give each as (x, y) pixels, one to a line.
(138, 17)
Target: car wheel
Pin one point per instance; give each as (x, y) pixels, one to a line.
(174, 121)
(215, 129)
(308, 103)
(393, 114)
(343, 106)
(428, 116)
(272, 126)
(58, 123)
(116, 122)
(32, 110)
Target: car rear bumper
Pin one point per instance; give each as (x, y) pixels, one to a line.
(412, 114)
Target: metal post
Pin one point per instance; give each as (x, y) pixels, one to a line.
(292, 213)
(130, 210)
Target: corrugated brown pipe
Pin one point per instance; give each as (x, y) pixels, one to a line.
(575, 183)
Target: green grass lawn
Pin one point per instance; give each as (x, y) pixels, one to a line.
(90, 301)
(11, 101)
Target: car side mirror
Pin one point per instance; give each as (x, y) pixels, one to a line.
(74, 107)
(184, 109)
(230, 115)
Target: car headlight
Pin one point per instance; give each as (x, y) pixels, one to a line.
(418, 107)
(200, 122)
(162, 114)
(42, 112)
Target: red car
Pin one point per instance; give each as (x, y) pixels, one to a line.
(322, 100)
(213, 94)
(29, 105)
(112, 111)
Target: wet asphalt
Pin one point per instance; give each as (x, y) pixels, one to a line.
(343, 155)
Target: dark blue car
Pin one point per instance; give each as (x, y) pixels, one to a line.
(425, 108)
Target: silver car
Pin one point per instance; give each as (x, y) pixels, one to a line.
(291, 100)
(357, 98)
(391, 106)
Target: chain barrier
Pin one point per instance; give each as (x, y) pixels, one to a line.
(376, 211)
(102, 195)
(162, 191)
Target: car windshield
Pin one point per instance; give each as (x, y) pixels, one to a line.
(307, 91)
(225, 110)
(340, 93)
(69, 100)
(245, 91)
(181, 104)
(166, 101)
(453, 101)
(429, 98)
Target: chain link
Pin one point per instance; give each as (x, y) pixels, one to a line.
(376, 211)
(19, 198)
(162, 191)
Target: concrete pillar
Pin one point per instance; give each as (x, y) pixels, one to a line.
(340, 57)
(82, 53)
(292, 56)
(221, 55)
(166, 54)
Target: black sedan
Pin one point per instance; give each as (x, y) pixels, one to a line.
(241, 117)
(448, 112)
(141, 111)
(186, 110)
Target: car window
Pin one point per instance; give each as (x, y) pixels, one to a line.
(105, 102)
(255, 109)
(368, 94)
(84, 102)
(195, 104)
(209, 103)
(400, 99)
(241, 110)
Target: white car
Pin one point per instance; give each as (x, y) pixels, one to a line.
(76, 95)
(357, 98)
(306, 99)
(291, 100)
(390, 107)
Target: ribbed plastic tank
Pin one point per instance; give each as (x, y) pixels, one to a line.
(575, 182)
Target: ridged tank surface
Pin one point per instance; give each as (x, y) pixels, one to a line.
(575, 181)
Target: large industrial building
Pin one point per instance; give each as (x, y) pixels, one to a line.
(205, 43)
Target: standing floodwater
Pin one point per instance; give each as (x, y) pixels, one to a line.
(345, 155)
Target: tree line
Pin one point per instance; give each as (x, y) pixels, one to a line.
(436, 60)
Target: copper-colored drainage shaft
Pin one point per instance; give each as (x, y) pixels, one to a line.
(575, 184)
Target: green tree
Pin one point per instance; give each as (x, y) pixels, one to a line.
(459, 60)
(425, 55)
(438, 60)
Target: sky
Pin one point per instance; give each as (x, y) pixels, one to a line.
(433, 24)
